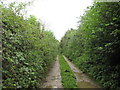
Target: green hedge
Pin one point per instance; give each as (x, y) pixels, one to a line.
(27, 48)
(95, 45)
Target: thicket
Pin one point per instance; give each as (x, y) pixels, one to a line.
(68, 77)
(27, 48)
(95, 46)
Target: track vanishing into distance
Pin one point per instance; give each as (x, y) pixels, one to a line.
(53, 79)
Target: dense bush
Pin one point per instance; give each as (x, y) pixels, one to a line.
(28, 49)
(95, 45)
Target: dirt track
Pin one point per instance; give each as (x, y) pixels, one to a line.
(53, 79)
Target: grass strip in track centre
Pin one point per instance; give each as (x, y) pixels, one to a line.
(68, 78)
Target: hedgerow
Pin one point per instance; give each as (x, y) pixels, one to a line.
(95, 45)
(27, 48)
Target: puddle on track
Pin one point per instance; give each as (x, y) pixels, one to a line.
(48, 87)
(82, 80)
(84, 84)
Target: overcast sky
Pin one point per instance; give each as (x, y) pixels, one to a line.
(58, 15)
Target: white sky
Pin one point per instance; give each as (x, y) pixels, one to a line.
(58, 15)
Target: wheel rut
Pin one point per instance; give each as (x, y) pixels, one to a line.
(53, 79)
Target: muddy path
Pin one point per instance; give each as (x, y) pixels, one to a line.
(53, 79)
(82, 80)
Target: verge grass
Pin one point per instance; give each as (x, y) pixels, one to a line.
(68, 78)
